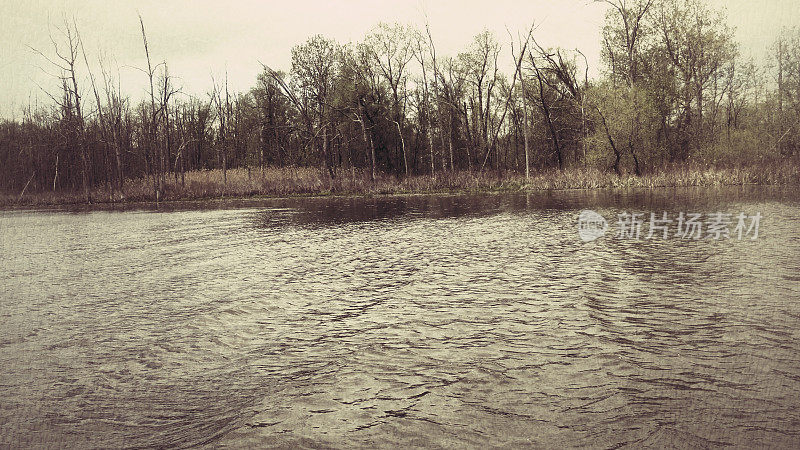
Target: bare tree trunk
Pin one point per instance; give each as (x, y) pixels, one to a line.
(107, 141)
(442, 131)
(367, 138)
(167, 135)
(261, 149)
(517, 74)
(372, 157)
(524, 115)
(440, 112)
(153, 114)
(403, 146)
(115, 124)
(548, 118)
(430, 144)
(120, 172)
(617, 155)
(470, 140)
(325, 151)
(525, 133)
(81, 133)
(584, 132)
(55, 177)
(450, 147)
(183, 169)
(224, 166)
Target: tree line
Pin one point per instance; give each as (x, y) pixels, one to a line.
(674, 89)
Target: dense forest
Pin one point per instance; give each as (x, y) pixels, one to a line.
(674, 90)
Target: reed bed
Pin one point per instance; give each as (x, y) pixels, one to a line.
(312, 181)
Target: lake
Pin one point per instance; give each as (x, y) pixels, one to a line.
(439, 321)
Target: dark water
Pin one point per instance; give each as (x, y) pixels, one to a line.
(420, 321)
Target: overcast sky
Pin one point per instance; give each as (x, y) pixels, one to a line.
(201, 38)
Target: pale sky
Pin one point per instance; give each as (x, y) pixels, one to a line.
(201, 38)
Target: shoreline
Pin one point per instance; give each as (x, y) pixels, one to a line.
(258, 200)
(208, 187)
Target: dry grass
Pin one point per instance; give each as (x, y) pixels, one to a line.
(307, 181)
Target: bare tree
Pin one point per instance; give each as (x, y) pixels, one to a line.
(115, 110)
(152, 145)
(166, 91)
(220, 97)
(66, 61)
(391, 51)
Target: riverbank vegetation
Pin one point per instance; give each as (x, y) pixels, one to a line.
(313, 181)
(676, 106)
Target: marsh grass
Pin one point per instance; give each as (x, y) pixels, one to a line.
(311, 181)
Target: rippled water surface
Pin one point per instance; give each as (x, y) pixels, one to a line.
(418, 321)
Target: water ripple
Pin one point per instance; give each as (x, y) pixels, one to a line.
(433, 321)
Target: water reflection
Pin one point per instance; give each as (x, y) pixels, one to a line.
(336, 210)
